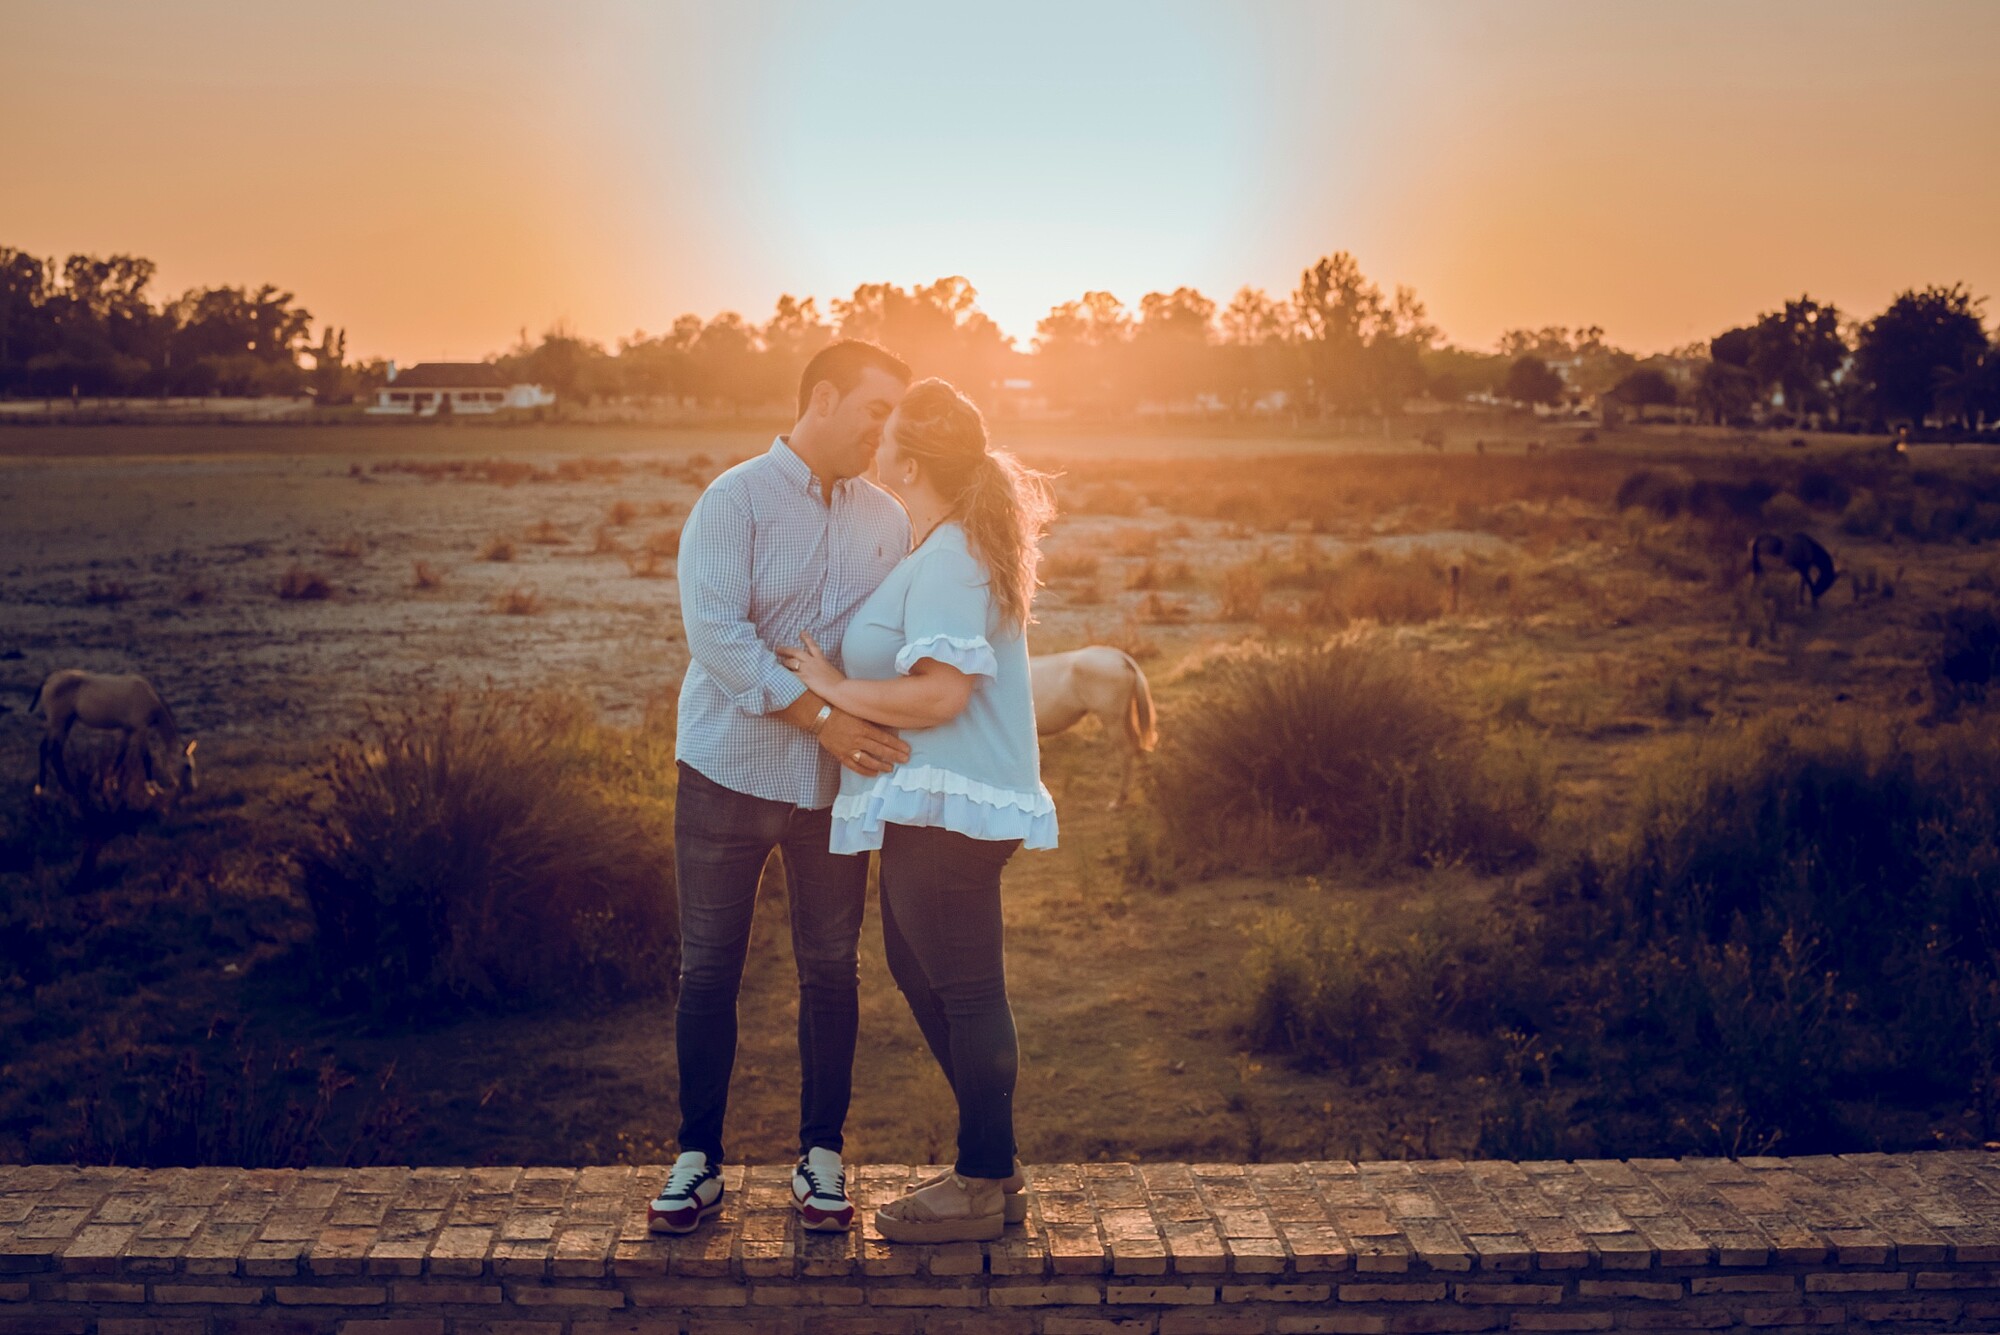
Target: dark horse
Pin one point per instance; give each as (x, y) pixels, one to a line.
(1812, 561)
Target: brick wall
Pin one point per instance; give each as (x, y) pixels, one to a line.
(1858, 1242)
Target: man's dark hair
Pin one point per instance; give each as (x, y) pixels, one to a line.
(843, 363)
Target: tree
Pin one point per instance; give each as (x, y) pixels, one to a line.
(1338, 309)
(329, 373)
(791, 336)
(1733, 347)
(1080, 352)
(1797, 352)
(1256, 356)
(574, 369)
(1529, 380)
(1647, 387)
(725, 361)
(1901, 350)
(1171, 345)
(937, 328)
(1724, 392)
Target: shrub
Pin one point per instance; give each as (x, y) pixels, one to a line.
(467, 855)
(1862, 516)
(621, 513)
(303, 585)
(1822, 490)
(1394, 591)
(521, 601)
(1968, 659)
(546, 533)
(1786, 512)
(1717, 498)
(1663, 491)
(1161, 575)
(1069, 565)
(105, 592)
(1787, 921)
(1242, 594)
(1295, 758)
(497, 549)
(424, 575)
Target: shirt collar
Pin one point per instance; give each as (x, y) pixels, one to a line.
(799, 473)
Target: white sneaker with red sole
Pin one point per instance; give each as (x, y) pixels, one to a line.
(819, 1193)
(693, 1192)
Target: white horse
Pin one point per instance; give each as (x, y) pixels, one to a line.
(1096, 680)
(126, 705)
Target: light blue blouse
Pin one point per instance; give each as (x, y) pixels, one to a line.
(981, 773)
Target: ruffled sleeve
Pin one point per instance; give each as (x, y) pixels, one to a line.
(946, 615)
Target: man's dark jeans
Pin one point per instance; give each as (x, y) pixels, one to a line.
(721, 841)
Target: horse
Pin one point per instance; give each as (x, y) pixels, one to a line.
(127, 705)
(1102, 681)
(1813, 562)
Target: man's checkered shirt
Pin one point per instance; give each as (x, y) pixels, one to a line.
(763, 558)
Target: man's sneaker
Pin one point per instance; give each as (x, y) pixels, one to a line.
(1013, 1191)
(693, 1193)
(819, 1192)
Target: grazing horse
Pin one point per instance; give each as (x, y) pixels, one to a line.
(124, 704)
(1096, 680)
(1813, 562)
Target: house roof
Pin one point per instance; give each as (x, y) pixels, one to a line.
(452, 375)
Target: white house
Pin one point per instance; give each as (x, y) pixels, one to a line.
(430, 388)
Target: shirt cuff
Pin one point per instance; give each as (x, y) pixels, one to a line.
(779, 689)
(973, 656)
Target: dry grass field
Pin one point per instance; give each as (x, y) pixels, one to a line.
(280, 584)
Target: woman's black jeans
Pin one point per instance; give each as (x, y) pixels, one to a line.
(942, 929)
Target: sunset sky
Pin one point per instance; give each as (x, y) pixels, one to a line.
(436, 176)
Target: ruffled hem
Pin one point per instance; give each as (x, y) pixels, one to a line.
(974, 656)
(927, 795)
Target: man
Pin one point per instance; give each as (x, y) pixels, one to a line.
(783, 545)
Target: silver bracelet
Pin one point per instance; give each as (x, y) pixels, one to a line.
(818, 725)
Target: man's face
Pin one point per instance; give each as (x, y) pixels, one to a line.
(854, 432)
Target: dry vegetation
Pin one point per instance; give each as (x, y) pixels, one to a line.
(1505, 861)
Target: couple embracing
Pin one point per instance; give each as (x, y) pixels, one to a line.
(859, 684)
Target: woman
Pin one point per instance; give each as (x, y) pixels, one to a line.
(940, 652)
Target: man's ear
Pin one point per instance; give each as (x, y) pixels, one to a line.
(825, 398)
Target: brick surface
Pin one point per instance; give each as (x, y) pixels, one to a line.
(1884, 1242)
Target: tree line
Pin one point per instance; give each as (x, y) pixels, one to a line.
(1336, 345)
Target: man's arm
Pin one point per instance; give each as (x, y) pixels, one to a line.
(716, 559)
(855, 743)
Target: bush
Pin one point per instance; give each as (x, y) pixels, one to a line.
(1335, 992)
(1788, 923)
(1785, 512)
(1862, 517)
(1715, 498)
(469, 856)
(1663, 491)
(299, 584)
(1822, 490)
(1967, 661)
(1292, 759)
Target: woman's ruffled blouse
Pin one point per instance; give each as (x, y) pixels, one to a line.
(978, 774)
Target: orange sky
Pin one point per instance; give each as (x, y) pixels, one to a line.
(437, 176)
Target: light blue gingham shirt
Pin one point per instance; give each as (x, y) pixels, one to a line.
(763, 559)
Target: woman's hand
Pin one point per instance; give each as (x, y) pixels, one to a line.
(821, 677)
